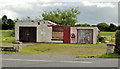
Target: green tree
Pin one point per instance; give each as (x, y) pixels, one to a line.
(17, 19)
(112, 27)
(28, 18)
(4, 22)
(62, 17)
(7, 23)
(83, 24)
(117, 47)
(4, 19)
(118, 27)
(10, 23)
(103, 26)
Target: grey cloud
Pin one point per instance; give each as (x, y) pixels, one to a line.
(89, 14)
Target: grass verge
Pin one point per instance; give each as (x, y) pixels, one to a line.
(63, 49)
(9, 34)
(110, 55)
(9, 39)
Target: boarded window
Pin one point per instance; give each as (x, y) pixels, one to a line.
(57, 33)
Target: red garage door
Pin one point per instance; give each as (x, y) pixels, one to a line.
(85, 36)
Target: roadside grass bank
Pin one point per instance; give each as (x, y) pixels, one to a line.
(110, 55)
(63, 49)
(77, 50)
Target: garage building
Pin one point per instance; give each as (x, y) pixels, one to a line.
(47, 31)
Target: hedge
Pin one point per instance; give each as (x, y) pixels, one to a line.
(117, 47)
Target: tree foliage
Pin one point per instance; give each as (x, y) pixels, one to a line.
(4, 19)
(83, 24)
(7, 23)
(103, 26)
(64, 17)
(117, 47)
(10, 23)
(112, 27)
(118, 27)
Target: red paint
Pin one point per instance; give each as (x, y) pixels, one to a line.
(85, 39)
(92, 36)
(66, 37)
(32, 21)
(5, 38)
(72, 26)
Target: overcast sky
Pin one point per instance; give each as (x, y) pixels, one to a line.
(91, 11)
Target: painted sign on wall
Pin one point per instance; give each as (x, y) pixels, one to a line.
(85, 36)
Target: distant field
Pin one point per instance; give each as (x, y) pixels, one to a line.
(7, 34)
(108, 35)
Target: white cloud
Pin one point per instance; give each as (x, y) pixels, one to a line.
(12, 8)
(50, 4)
(9, 7)
(34, 8)
(10, 14)
(57, 4)
(87, 3)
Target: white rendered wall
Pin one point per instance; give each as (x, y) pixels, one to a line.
(74, 30)
(44, 33)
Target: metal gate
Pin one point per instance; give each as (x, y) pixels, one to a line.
(85, 36)
(27, 34)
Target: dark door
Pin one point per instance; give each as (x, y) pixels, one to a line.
(85, 36)
(27, 34)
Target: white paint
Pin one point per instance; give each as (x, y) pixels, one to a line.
(44, 33)
(46, 61)
(76, 61)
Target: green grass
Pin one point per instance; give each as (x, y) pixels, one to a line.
(62, 49)
(9, 39)
(110, 55)
(7, 34)
(108, 35)
(7, 52)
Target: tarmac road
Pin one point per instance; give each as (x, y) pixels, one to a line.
(36, 60)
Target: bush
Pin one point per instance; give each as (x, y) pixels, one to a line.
(8, 33)
(99, 38)
(117, 47)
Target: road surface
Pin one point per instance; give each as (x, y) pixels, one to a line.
(35, 60)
